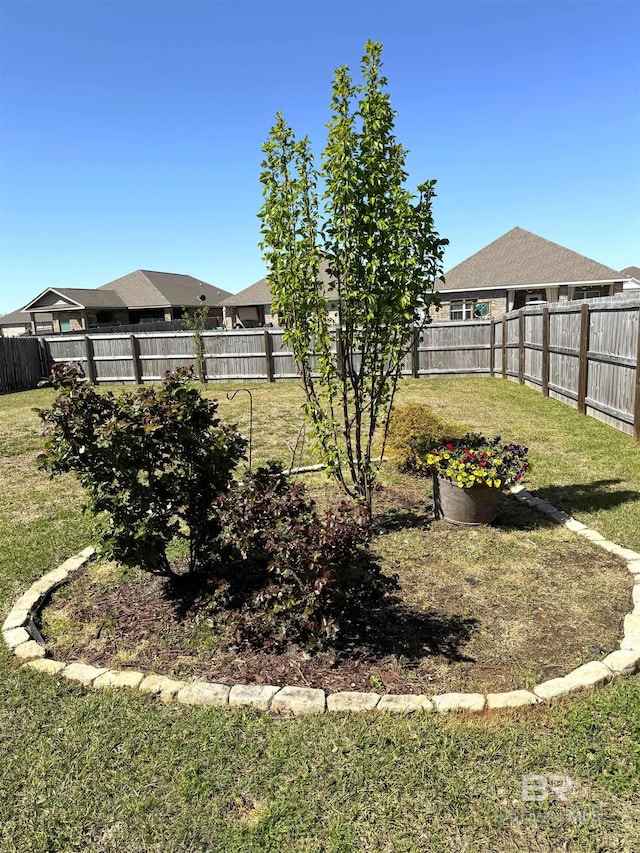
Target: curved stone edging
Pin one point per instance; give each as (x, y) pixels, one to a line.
(289, 700)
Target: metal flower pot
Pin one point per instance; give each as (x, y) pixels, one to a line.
(469, 506)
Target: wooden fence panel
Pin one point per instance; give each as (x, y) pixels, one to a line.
(613, 331)
(166, 351)
(612, 356)
(497, 348)
(21, 364)
(564, 352)
(533, 366)
(112, 358)
(236, 355)
(455, 349)
(66, 348)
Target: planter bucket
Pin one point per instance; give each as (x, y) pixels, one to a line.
(474, 505)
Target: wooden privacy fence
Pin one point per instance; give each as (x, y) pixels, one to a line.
(23, 363)
(255, 354)
(585, 355)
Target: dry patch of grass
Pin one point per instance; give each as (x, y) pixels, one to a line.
(20, 476)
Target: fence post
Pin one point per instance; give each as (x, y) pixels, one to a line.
(504, 346)
(492, 347)
(521, 346)
(45, 357)
(88, 352)
(415, 355)
(268, 355)
(135, 359)
(636, 408)
(545, 350)
(584, 350)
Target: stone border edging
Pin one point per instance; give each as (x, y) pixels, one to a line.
(289, 700)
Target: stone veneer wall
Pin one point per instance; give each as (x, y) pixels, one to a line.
(497, 307)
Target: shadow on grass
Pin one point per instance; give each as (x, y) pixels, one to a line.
(512, 515)
(398, 519)
(516, 515)
(588, 497)
(411, 634)
(573, 500)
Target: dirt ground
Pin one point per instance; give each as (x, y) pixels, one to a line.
(490, 608)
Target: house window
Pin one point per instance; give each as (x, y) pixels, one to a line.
(462, 310)
(587, 293)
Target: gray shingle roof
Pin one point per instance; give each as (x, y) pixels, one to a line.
(139, 289)
(631, 272)
(149, 289)
(259, 293)
(20, 317)
(57, 298)
(520, 258)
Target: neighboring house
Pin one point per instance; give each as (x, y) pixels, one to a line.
(140, 297)
(18, 323)
(521, 268)
(632, 272)
(251, 308)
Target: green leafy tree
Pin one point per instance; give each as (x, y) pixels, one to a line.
(378, 244)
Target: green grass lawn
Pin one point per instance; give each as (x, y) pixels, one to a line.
(103, 772)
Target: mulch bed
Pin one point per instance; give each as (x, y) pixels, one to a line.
(447, 633)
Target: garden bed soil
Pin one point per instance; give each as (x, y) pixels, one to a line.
(493, 608)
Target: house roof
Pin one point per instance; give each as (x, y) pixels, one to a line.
(70, 298)
(631, 272)
(149, 289)
(21, 318)
(139, 289)
(520, 258)
(259, 293)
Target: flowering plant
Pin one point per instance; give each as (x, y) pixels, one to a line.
(476, 459)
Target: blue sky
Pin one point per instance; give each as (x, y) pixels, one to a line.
(130, 130)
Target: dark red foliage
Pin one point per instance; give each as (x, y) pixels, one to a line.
(313, 572)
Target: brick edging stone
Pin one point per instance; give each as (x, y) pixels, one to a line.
(295, 701)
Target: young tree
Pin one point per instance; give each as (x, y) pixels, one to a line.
(382, 254)
(196, 322)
